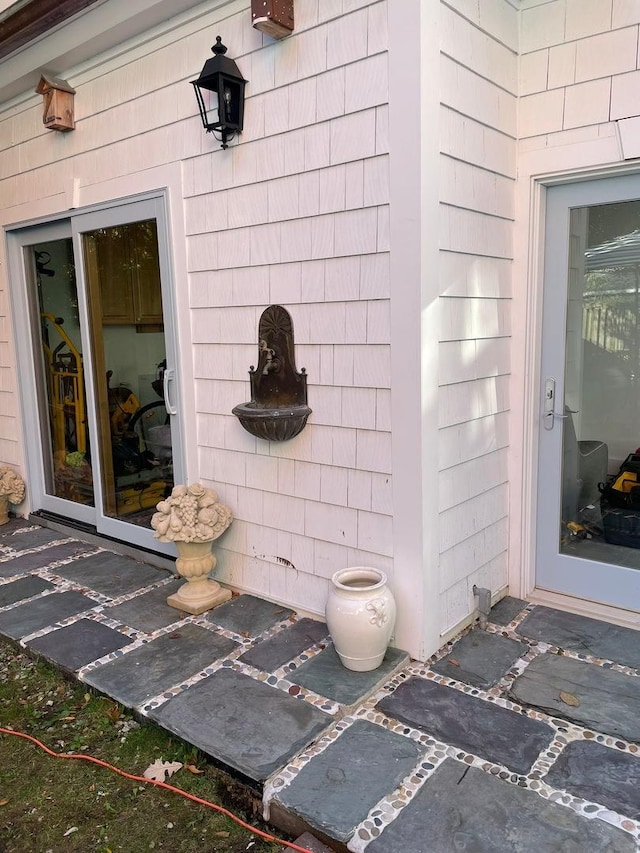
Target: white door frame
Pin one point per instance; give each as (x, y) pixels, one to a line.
(539, 169)
(579, 578)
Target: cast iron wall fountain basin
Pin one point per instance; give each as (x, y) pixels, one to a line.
(278, 407)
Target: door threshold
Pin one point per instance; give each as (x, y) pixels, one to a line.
(584, 607)
(88, 533)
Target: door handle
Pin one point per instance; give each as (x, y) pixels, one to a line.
(168, 377)
(550, 414)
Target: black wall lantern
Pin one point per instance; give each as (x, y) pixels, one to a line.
(220, 93)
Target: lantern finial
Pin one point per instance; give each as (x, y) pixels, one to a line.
(218, 47)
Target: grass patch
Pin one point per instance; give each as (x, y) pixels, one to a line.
(47, 804)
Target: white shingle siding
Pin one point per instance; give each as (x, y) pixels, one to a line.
(294, 212)
(479, 84)
(578, 67)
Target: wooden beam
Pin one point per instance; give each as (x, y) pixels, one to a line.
(34, 18)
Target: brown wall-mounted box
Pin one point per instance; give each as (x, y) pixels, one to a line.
(273, 17)
(57, 98)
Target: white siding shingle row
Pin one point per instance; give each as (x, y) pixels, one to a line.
(477, 171)
(579, 65)
(302, 224)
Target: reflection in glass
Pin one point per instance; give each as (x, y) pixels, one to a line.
(601, 425)
(67, 459)
(127, 328)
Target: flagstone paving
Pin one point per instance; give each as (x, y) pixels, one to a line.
(22, 539)
(460, 719)
(331, 789)
(582, 635)
(598, 698)
(249, 725)
(462, 808)
(148, 611)
(480, 659)
(79, 643)
(273, 653)
(38, 559)
(593, 771)
(324, 674)
(523, 737)
(39, 613)
(12, 593)
(110, 574)
(155, 667)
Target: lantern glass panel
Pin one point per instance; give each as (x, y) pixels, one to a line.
(208, 103)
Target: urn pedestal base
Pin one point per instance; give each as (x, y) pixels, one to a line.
(199, 593)
(196, 601)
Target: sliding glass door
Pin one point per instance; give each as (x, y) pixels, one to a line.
(99, 366)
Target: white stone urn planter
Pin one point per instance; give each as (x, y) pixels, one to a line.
(361, 615)
(11, 492)
(193, 518)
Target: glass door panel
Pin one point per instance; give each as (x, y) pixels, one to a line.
(60, 371)
(129, 359)
(601, 380)
(590, 391)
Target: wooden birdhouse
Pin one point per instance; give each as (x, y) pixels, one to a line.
(57, 98)
(273, 17)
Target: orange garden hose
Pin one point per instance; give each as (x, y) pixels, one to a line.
(165, 785)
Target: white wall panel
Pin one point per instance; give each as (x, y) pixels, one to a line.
(477, 209)
(607, 54)
(624, 12)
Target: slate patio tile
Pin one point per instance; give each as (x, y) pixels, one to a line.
(76, 645)
(463, 808)
(600, 774)
(248, 615)
(285, 645)
(11, 593)
(609, 700)
(506, 610)
(480, 658)
(162, 663)
(111, 574)
(336, 789)
(148, 611)
(469, 723)
(244, 723)
(325, 675)
(14, 524)
(41, 559)
(583, 635)
(22, 540)
(35, 615)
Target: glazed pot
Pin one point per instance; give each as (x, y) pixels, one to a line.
(361, 615)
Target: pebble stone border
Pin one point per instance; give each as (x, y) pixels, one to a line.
(435, 752)
(390, 806)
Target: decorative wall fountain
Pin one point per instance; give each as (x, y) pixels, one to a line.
(278, 407)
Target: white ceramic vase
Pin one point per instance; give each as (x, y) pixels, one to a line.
(361, 615)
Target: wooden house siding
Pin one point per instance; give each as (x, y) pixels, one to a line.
(294, 212)
(477, 170)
